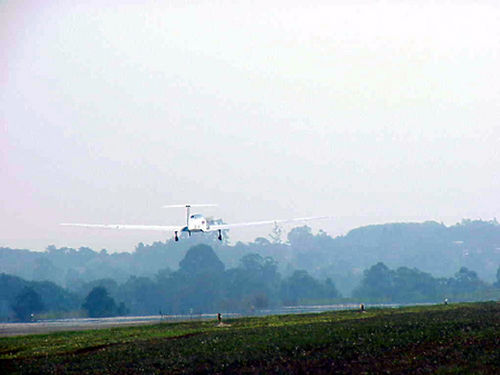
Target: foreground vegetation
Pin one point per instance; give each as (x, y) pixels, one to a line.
(434, 339)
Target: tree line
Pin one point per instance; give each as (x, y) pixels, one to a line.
(202, 283)
(430, 247)
(381, 284)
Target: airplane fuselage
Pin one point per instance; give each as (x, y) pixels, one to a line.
(196, 223)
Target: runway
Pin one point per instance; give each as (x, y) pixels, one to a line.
(82, 324)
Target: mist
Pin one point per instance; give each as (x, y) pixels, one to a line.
(368, 112)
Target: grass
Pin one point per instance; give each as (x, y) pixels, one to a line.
(461, 338)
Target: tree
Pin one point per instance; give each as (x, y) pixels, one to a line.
(109, 284)
(465, 282)
(254, 284)
(28, 302)
(300, 286)
(497, 284)
(143, 295)
(377, 284)
(330, 289)
(199, 283)
(54, 297)
(300, 237)
(99, 304)
(412, 285)
(276, 234)
(201, 259)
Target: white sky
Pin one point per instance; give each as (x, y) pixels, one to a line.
(367, 111)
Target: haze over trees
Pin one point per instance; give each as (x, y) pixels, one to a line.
(430, 247)
(381, 284)
(384, 263)
(18, 298)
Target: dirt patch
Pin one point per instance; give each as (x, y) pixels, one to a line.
(187, 335)
(9, 351)
(91, 349)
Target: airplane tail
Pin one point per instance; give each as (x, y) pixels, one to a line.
(190, 205)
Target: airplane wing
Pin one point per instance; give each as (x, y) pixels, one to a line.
(161, 228)
(277, 221)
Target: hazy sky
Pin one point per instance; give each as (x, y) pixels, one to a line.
(367, 111)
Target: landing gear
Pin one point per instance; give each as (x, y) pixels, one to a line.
(176, 237)
(219, 237)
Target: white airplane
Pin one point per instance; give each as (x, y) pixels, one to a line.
(194, 223)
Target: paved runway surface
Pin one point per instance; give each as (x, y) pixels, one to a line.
(47, 326)
(81, 324)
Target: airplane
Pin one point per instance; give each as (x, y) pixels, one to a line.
(195, 223)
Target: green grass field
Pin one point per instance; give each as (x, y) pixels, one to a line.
(459, 338)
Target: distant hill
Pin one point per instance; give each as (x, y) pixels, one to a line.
(428, 246)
